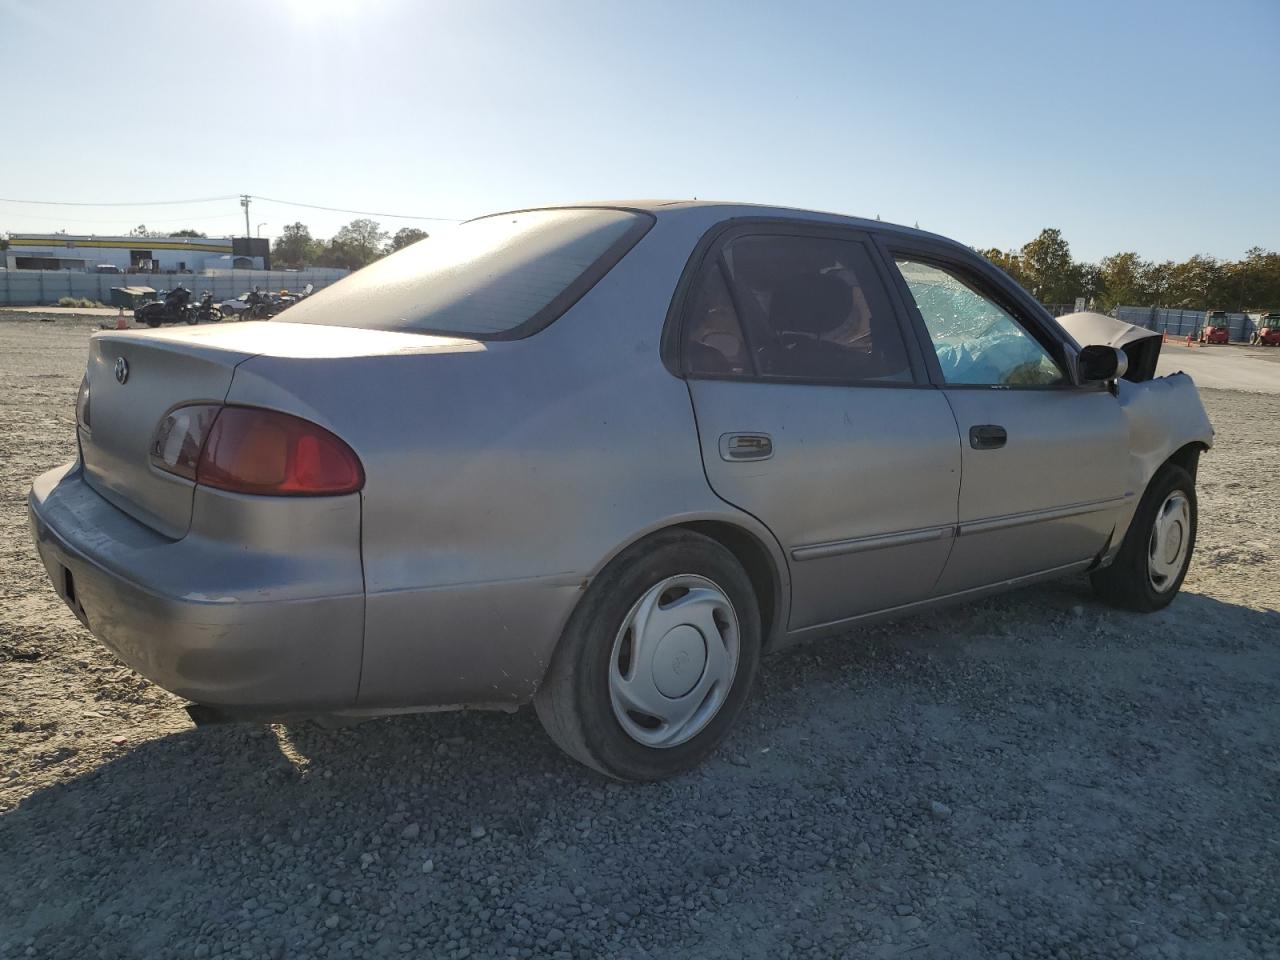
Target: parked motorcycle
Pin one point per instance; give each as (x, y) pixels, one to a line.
(174, 308)
(262, 306)
(207, 311)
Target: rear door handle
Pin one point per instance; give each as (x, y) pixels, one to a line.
(746, 446)
(987, 436)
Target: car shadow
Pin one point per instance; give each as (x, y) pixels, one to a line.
(219, 821)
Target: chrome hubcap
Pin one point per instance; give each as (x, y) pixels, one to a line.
(673, 661)
(1170, 536)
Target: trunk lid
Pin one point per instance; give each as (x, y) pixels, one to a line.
(135, 379)
(168, 368)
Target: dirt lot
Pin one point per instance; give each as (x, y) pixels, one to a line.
(1033, 776)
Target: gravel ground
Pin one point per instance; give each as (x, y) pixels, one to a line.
(1031, 776)
(1236, 367)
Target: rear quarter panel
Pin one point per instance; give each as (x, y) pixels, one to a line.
(502, 477)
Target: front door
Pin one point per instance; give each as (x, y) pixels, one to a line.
(815, 416)
(1044, 461)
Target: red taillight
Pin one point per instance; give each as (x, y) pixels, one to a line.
(250, 450)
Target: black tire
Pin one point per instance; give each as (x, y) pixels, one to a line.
(1127, 583)
(574, 702)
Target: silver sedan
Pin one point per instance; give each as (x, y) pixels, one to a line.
(600, 458)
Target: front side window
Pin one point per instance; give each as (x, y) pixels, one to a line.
(485, 278)
(795, 308)
(977, 342)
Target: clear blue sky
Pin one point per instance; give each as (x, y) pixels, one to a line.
(1145, 126)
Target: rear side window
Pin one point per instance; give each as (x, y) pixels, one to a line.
(794, 308)
(496, 278)
(715, 343)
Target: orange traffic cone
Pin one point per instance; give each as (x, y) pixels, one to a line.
(120, 321)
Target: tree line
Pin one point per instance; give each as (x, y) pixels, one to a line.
(1045, 267)
(356, 245)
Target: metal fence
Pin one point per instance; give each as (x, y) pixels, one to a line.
(21, 288)
(1183, 323)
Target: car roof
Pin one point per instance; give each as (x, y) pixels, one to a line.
(716, 210)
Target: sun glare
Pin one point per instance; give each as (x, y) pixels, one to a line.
(316, 12)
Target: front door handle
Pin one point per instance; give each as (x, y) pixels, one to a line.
(988, 436)
(746, 446)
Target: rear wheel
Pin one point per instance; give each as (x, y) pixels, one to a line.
(657, 660)
(1153, 559)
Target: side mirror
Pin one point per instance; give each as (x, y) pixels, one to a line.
(1102, 363)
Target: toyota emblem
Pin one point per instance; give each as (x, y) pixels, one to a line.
(122, 369)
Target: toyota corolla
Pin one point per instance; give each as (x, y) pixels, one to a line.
(600, 458)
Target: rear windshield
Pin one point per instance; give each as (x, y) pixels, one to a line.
(495, 278)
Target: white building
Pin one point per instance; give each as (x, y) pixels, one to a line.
(61, 251)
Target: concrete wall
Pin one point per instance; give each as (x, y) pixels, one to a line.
(20, 288)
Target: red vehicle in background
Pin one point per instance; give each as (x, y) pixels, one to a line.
(1268, 330)
(1215, 328)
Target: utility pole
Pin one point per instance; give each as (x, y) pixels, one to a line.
(244, 202)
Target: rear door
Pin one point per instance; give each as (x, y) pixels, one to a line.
(1044, 460)
(815, 416)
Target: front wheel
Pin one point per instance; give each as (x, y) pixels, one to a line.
(657, 660)
(1153, 559)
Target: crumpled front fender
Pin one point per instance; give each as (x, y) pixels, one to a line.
(1164, 416)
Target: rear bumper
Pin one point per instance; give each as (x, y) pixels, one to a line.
(182, 614)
